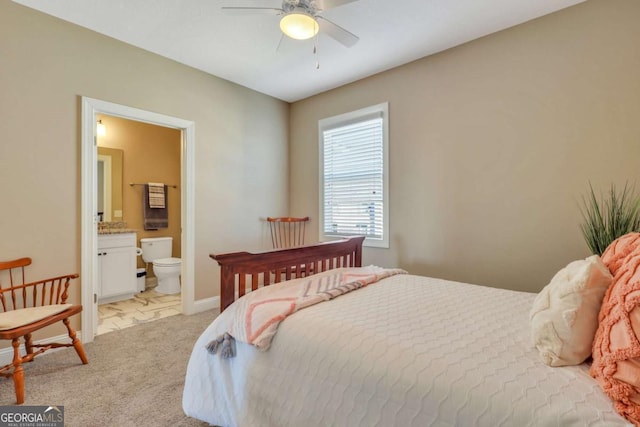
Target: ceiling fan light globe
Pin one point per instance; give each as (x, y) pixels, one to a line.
(299, 26)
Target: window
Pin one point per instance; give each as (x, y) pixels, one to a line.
(354, 197)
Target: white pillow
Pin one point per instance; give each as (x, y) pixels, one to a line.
(564, 316)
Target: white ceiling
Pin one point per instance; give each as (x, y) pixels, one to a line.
(243, 48)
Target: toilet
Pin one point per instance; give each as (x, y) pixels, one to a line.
(167, 269)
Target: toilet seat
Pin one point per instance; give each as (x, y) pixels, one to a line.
(167, 262)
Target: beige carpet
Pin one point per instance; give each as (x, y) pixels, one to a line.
(135, 376)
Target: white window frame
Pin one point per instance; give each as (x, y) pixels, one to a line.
(379, 110)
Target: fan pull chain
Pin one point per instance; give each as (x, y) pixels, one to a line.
(315, 51)
(280, 42)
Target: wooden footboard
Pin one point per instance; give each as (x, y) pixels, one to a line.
(239, 269)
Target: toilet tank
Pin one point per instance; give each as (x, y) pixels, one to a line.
(155, 248)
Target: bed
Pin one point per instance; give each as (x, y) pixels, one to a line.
(405, 351)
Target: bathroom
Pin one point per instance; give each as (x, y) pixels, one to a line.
(132, 152)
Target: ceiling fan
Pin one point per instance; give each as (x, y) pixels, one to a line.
(302, 19)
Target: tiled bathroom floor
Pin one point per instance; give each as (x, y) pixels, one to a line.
(144, 307)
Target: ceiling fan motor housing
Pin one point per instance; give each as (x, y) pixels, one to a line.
(305, 6)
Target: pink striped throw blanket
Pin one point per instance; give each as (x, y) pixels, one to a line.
(254, 318)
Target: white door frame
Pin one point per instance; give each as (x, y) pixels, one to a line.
(89, 233)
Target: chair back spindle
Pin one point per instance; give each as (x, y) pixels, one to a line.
(15, 270)
(287, 232)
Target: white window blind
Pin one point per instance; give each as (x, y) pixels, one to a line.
(353, 181)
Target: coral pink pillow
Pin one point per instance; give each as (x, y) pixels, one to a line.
(616, 349)
(619, 249)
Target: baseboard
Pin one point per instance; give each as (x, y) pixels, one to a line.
(205, 304)
(6, 354)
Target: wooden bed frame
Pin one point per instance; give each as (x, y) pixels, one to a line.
(265, 268)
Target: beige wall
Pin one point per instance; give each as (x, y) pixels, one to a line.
(493, 143)
(48, 64)
(151, 154)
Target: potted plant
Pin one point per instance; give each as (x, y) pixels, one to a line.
(607, 218)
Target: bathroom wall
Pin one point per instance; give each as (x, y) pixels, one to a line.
(151, 154)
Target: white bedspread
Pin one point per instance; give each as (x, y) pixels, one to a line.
(407, 351)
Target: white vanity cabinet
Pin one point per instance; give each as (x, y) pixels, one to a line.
(116, 267)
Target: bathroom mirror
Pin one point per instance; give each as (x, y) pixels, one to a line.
(110, 162)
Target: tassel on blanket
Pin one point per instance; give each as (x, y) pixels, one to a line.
(212, 347)
(225, 343)
(226, 349)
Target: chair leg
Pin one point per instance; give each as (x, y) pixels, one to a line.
(18, 371)
(76, 342)
(28, 344)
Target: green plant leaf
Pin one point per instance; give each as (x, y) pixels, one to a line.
(606, 219)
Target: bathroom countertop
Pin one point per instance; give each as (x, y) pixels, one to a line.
(116, 231)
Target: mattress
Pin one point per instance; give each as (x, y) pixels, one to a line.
(406, 351)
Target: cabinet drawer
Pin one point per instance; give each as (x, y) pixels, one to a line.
(116, 240)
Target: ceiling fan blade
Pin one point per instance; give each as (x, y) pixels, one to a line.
(252, 10)
(336, 32)
(329, 4)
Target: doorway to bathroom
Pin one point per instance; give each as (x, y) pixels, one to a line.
(183, 158)
(132, 154)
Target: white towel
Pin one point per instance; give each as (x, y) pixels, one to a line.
(156, 195)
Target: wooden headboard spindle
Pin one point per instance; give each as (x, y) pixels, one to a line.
(266, 268)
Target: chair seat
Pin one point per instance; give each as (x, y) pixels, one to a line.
(24, 316)
(41, 321)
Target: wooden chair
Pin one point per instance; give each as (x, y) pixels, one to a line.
(28, 307)
(287, 232)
